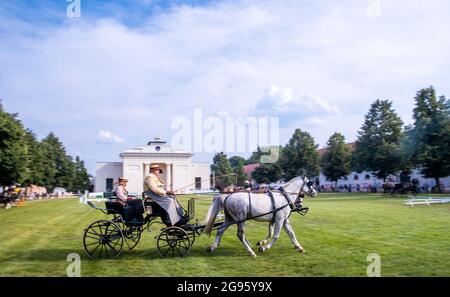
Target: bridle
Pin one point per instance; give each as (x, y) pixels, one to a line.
(298, 201)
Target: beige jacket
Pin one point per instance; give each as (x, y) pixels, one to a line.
(122, 193)
(154, 184)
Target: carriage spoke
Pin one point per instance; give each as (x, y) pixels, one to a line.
(92, 232)
(96, 248)
(91, 243)
(106, 250)
(165, 253)
(95, 238)
(101, 250)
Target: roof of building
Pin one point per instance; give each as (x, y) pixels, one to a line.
(157, 146)
(248, 169)
(351, 146)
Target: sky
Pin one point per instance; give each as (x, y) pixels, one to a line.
(122, 72)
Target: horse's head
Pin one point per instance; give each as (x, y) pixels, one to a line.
(300, 185)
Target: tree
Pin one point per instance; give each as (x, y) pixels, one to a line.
(237, 163)
(13, 149)
(58, 166)
(255, 157)
(36, 159)
(336, 162)
(300, 156)
(267, 173)
(236, 160)
(81, 177)
(378, 144)
(429, 139)
(221, 166)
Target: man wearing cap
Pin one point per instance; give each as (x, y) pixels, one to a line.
(154, 187)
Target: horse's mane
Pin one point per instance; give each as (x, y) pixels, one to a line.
(292, 183)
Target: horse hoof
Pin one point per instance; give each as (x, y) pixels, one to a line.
(300, 250)
(261, 249)
(253, 255)
(209, 249)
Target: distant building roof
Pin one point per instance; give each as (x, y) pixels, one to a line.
(351, 146)
(248, 169)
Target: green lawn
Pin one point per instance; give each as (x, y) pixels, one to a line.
(338, 234)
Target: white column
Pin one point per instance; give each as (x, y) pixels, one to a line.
(146, 169)
(169, 176)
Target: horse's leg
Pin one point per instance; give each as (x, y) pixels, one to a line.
(269, 236)
(219, 235)
(288, 228)
(276, 234)
(241, 236)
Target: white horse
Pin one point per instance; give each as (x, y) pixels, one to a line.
(242, 206)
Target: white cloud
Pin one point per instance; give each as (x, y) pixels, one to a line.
(279, 101)
(73, 78)
(108, 136)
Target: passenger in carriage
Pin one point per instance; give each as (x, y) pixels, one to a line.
(121, 190)
(132, 206)
(154, 188)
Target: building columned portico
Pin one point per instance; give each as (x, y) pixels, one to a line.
(178, 169)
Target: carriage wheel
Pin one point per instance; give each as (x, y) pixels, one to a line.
(173, 242)
(132, 235)
(103, 240)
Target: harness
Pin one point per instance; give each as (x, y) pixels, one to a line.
(301, 210)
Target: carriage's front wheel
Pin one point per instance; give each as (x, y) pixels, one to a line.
(103, 240)
(173, 242)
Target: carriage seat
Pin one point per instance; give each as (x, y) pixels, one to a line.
(114, 207)
(130, 213)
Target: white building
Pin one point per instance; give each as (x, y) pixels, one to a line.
(179, 172)
(362, 181)
(365, 179)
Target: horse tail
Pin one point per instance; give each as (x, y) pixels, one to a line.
(213, 211)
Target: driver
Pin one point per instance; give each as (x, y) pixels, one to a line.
(154, 187)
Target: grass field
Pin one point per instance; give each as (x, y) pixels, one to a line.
(338, 234)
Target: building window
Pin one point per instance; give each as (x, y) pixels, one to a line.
(356, 177)
(367, 176)
(346, 177)
(109, 184)
(198, 183)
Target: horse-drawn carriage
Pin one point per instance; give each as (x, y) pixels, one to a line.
(105, 239)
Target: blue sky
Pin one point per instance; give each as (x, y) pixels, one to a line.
(120, 74)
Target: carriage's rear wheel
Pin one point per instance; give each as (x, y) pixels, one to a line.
(103, 240)
(173, 242)
(132, 235)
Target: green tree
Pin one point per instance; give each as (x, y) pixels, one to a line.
(300, 156)
(428, 143)
(378, 144)
(58, 166)
(267, 173)
(36, 160)
(81, 177)
(13, 149)
(336, 162)
(255, 157)
(237, 163)
(221, 166)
